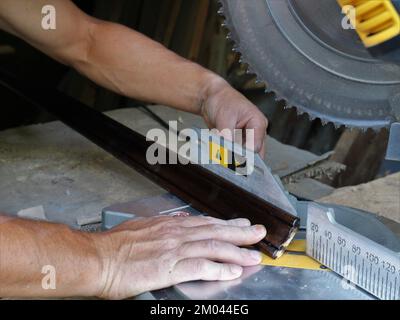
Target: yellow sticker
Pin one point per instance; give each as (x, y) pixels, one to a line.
(294, 257)
(219, 154)
(297, 246)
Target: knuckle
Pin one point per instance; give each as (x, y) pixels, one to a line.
(240, 222)
(181, 251)
(248, 232)
(245, 221)
(217, 229)
(171, 244)
(263, 125)
(266, 122)
(200, 267)
(212, 245)
(223, 270)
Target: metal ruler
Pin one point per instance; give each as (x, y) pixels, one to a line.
(356, 258)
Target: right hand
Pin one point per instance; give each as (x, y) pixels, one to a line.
(155, 253)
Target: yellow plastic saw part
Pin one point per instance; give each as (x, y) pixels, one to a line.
(220, 155)
(376, 21)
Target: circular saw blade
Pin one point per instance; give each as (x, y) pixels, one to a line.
(305, 56)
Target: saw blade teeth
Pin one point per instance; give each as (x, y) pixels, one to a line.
(324, 122)
(337, 125)
(249, 70)
(279, 99)
(268, 90)
(278, 96)
(363, 129)
(312, 117)
(290, 107)
(300, 112)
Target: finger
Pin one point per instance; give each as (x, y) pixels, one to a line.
(226, 124)
(194, 221)
(203, 269)
(220, 251)
(167, 226)
(189, 221)
(262, 150)
(240, 236)
(259, 125)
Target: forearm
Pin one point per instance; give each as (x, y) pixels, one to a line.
(128, 63)
(135, 66)
(26, 247)
(110, 54)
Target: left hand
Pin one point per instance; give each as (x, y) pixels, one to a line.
(226, 108)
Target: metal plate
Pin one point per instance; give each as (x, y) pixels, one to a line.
(275, 283)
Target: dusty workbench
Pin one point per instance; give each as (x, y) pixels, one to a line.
(51, 166)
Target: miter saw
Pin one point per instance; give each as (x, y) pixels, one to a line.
(338, 61)
(300, 49)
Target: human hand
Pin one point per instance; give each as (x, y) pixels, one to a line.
(155, 253)
(226, 108)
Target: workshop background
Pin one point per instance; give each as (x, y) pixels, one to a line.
(194, 30)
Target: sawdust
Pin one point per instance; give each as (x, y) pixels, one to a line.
(381, 197)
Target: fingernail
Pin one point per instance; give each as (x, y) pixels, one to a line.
(236, 270)
(259, 229)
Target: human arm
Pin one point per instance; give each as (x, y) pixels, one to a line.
(133, 65)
